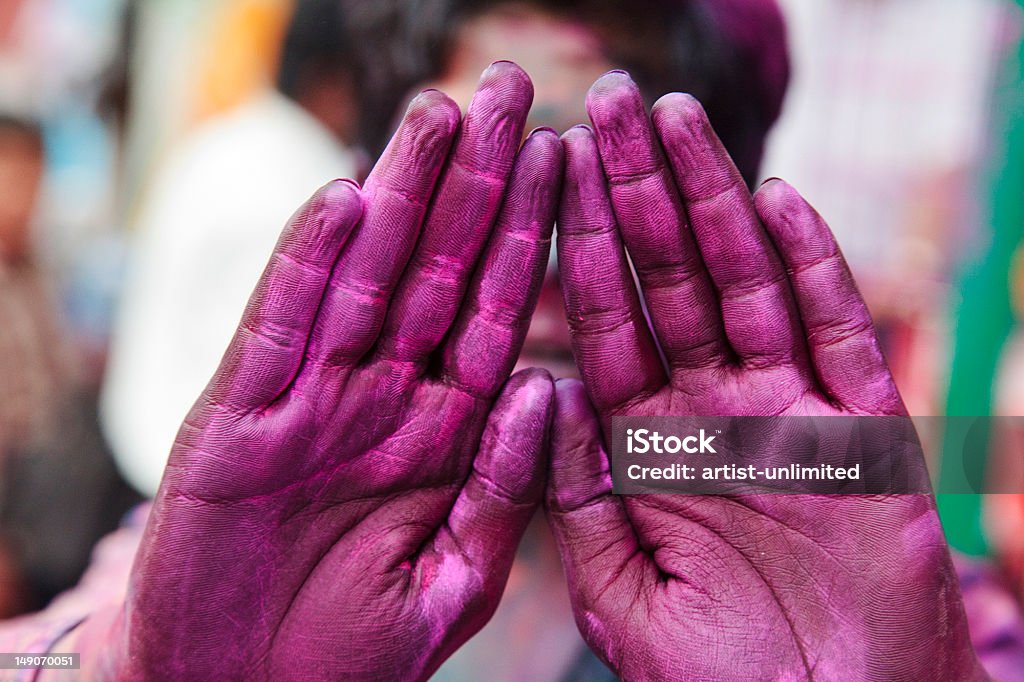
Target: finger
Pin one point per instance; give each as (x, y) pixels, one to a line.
(847, 358)
(758, 311)
(396, 196)
(490, 329)
(614, 349)
(267, 349)
(676, 286)
(595, 538)
(467, 201)
(506, 484)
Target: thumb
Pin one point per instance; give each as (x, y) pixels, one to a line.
(506, 484)
(594, 534)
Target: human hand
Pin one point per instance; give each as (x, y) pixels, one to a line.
(345, 499)
(755, 313)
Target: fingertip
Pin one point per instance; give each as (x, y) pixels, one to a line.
(572, 403)
(532, 388)
(778, 204)
(504, 67)
(334, 209)
(526, 394)
(346, 181)
(504, 90)
(513, 449)
(798, 231)
(584, 194)
(580, 129)
(531, 200)
(625, 137)
(678, 104)
(492, 129)
(679, 112)
(578, 135)
(508, 76)
(343, 198)
(541, 130)
(569, 389)
(579, 468)
(543, 141)
(433, 110)
(774, 190)
(691, 142)
(418, 149)
(612, 81)
(542, 155)
(580, 149)
(615, 91)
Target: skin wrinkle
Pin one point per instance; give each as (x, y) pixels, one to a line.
(753, 564)
(783, 611)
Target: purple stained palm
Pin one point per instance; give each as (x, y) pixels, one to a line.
(754, 311)
(345, 499)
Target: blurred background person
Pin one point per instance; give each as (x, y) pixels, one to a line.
(206, 223)
(32, 371)
(59, 491)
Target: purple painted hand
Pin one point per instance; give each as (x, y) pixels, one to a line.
(755, 313)
(345, 499)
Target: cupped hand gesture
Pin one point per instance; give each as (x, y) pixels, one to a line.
(345, 499)
(747, 308)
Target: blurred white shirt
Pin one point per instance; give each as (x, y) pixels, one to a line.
(205, 233)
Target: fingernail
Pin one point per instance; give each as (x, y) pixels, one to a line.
(578, 127)
(422, 98)
(542, 129)
(501, 63)
(424, 94)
